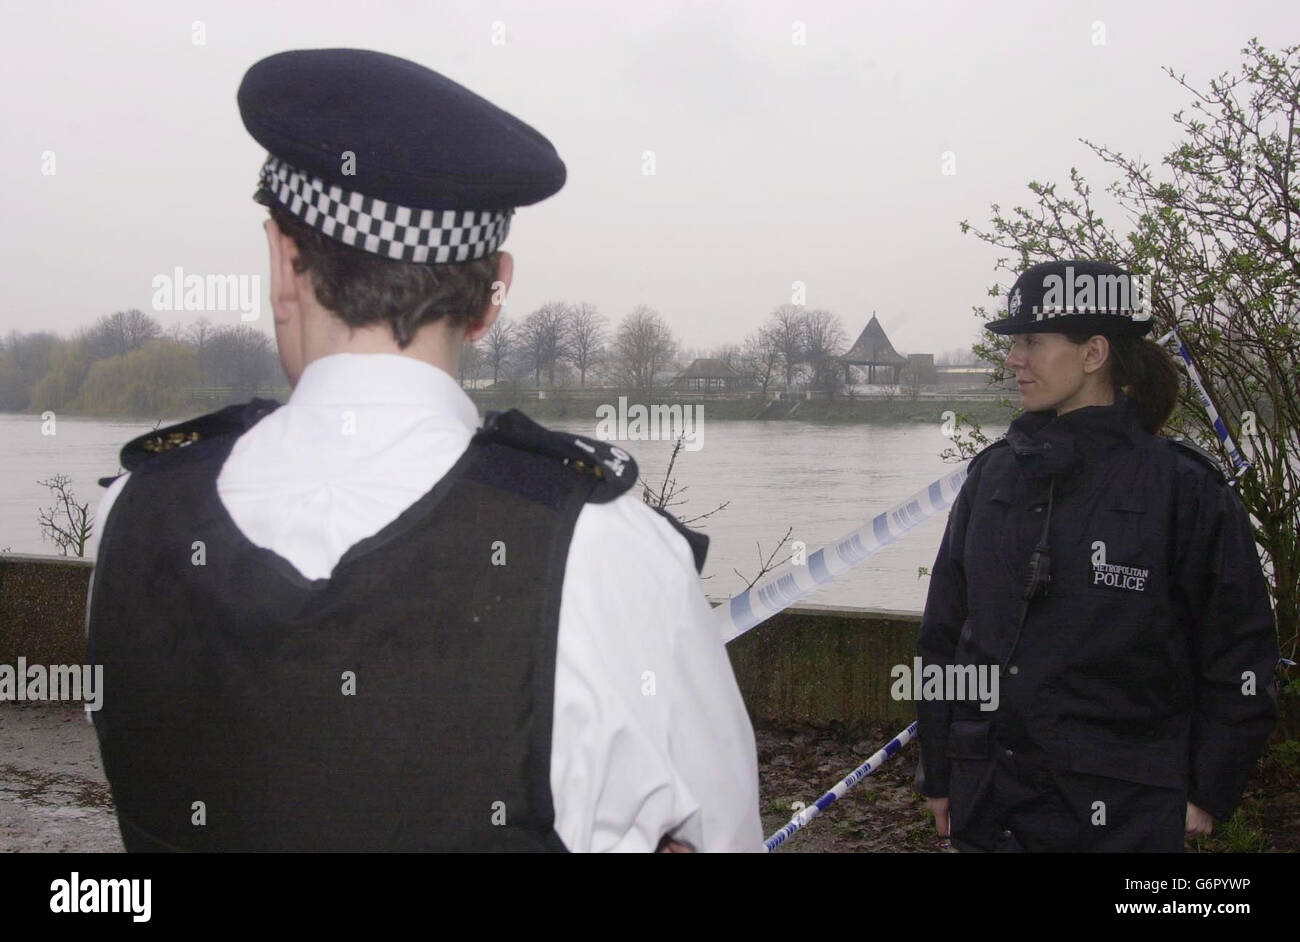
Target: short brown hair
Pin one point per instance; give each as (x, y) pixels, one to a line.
(362, 288)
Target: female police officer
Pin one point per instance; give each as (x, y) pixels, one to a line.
(1110, 578)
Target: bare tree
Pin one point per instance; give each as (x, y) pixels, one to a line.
(824, 341)
(471, 363)
(198, 335)
(729, 356)
(137, 328)
(498, 344)
(768, 563)
(587, 329)
(644, 345)
(669, 494)
(68, 523)
(121, 333)
(760, 359)
(785, 328)
(544, 339)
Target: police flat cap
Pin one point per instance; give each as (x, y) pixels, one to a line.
(390, 157)
(1077, 295)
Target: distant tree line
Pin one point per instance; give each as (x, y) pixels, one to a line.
(562, 344)
(126, 364)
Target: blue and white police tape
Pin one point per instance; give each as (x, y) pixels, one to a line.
(1239, 463)
(805, 815)
(791, 582)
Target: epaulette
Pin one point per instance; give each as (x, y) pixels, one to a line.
(236, 418)
(1200, 455)
(613, 468)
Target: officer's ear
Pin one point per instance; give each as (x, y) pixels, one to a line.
(496, 298)
(286, 302)
(1096, 353)
(284, 285)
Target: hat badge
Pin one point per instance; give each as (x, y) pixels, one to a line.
(1013, 306)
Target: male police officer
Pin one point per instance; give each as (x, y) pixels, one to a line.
(353, 623)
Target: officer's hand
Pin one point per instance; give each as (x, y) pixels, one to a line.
(1199, 821)
(939, 808)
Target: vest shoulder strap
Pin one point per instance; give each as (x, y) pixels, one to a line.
(232, 419)
(614, 470)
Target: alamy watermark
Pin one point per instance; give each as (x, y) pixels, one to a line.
(948, 682)
(181, 292)
(641, 423)
(57, 682)
(79, 894)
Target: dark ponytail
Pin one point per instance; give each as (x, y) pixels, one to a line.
(1146, 373)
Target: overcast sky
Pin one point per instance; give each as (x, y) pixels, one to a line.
(775, 162)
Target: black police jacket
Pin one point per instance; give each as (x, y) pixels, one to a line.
(1152, 656)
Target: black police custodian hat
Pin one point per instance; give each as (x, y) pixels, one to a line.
(1060, 297)
(390, 157)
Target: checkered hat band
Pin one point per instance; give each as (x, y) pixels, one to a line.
(431, 236)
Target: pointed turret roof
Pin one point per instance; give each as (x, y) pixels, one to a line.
(873, 347)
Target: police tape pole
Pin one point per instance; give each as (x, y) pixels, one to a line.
(1239, 463)
(791, 582)
(805, 815)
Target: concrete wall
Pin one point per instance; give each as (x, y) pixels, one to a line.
(43, 609)
(818, 663)
(811, 663)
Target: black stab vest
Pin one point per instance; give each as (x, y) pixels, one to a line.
(403, 704)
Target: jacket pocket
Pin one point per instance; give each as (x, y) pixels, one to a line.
(1163, 764)
(1121, 526)
(968, 739)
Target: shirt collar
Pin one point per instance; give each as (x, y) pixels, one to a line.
(349, 379)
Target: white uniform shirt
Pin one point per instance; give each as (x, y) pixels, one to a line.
(650, 735)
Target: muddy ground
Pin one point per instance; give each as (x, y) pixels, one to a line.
(53, 796)
(882, 813)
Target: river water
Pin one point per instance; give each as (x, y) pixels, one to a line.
(822, 480)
